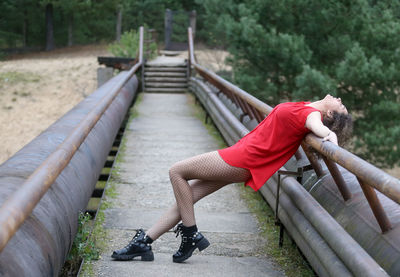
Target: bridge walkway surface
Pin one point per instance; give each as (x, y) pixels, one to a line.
(163, 130)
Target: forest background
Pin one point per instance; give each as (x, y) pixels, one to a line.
(284, 50)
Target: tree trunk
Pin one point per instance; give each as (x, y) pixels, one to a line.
(24, 29)
(70, 29)
(119, 23)
(49, 28)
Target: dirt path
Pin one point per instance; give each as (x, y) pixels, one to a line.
(36, 89)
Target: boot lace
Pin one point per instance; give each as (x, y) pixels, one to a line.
(134, 239)
(178, 229)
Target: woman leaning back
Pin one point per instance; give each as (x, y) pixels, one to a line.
(253, 160)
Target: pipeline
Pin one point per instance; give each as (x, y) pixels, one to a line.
(48, 182)
(41, 244)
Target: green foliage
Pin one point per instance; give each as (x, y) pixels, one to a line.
(381, 132)
(84, 247)
(128, 46)
(301, 49)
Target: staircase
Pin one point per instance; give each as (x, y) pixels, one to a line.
(163, 76)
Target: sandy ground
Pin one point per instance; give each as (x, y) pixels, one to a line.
(38, 88)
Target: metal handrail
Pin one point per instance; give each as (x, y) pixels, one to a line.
(366, 172)
(21, 203)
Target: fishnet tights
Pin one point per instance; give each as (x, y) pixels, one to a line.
(210, 173)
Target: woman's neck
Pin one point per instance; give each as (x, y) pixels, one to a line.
(319, 105)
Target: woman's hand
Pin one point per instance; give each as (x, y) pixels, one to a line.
(315, 125)
(331, 137)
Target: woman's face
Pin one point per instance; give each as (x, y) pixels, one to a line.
(334, 104)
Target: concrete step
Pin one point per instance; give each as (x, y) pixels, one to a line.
(165, 69)
(165, 90)
(165, 85)
(166, 79)
(165, 74)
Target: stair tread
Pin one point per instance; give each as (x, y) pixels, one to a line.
(165, 74)
(164, 69)
(165, 89)
(165, 85)
(165, 79)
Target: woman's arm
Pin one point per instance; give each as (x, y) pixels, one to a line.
(315, 125)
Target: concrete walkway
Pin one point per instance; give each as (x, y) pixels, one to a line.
(166, 131)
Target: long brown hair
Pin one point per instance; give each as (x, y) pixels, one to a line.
(341, 124)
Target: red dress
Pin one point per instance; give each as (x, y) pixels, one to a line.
(271, 144)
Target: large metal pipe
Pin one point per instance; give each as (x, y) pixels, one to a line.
(30, 197)
(370, 174)
(356, 259)
(42, 243)
(356, 217)
(323, 259)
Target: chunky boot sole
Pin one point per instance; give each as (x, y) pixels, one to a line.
(145, 256)
(201, 245)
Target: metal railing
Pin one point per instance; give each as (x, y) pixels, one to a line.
(369, 176)
(21, 203)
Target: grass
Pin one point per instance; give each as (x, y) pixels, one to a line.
(288, 257)
(15, 77)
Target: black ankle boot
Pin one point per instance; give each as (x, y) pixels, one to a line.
(138, 246)
(191, 239)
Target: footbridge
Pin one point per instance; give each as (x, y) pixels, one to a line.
(118, 144)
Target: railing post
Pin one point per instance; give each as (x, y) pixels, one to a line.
(376, 206)
(313, 161)
(337, 176)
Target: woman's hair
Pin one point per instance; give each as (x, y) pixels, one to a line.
(341, 124)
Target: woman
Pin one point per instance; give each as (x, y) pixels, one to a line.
(253, 160)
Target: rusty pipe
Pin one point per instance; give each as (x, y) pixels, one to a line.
(352, 254)
(376, 206)
(369, 174)
(337, 176)
(322, 257)
(20, 204)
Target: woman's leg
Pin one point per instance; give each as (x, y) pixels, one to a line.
(170, 218)
(206, 167)
(212, 173)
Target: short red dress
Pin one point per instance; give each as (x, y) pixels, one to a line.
(271, 144)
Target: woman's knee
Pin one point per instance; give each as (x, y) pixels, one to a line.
(175, 172)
